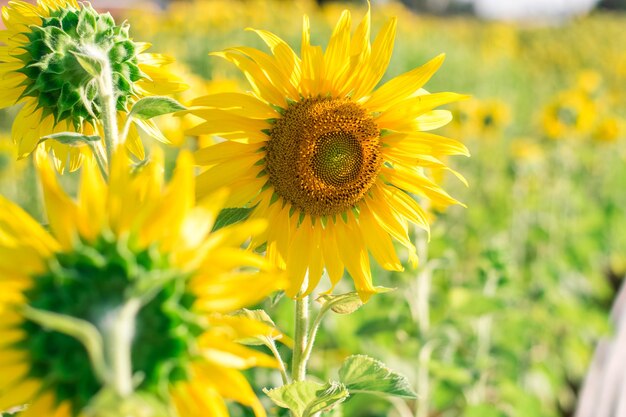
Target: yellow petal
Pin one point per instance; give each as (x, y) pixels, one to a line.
(379, 61)
(403, 86)
(378, 241)
(62, 211)
(235, 103)
(354, 255)
(233, 385)
(224, 151)
(395, 116)
(19, 394)
(336, 57)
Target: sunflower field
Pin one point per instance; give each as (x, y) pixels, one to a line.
(257, 208)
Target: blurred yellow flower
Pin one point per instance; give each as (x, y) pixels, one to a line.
(131, 231)
(571, 114)
(608, 129)
(40, 68)
(328, 160)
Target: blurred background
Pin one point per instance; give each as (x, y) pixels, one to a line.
(513, 293)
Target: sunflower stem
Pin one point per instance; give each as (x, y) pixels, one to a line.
(108, 105)
(306, 354)
(281, 364)
(119, 339)
(298, 367)
(101, 158)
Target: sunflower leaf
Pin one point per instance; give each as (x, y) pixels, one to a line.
(149, 107)
(71, 138)
(362, 374)
(307, 398)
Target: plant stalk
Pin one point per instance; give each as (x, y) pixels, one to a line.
(298, 367)
(120, 334)
(108, 108)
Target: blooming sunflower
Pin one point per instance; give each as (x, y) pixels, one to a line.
(40, 69)
(330, 161)
(131, 229)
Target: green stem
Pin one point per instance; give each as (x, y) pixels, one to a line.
(298, 367)
(108, 107)
(119, 343)
(82, 330)
(281, 364)
(306, 354)
(101, 159)
(126, 128)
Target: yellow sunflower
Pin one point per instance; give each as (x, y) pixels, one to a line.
(40, 69)
(571, 114)
(329, 160)
(133, 229)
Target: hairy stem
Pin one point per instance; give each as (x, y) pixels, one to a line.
(120, 329)
(108, 107)
(281, 364)
(298, 367)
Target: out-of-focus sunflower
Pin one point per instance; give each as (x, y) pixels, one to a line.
(330, 161)
(116, 237)
(608, 129)
(571, 114)
(492, 117)
(40, 68)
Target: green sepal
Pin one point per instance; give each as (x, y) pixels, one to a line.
(89, 63)
(231, 215)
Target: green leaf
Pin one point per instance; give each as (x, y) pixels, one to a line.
(362, 374)
(71, 138)
(91, 64)
(149, 107)
(229, 216)
(307, 398)
(345, 303)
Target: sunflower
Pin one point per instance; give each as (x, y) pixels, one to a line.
(331, 162)
(571, 114)
(39, 68)
(133, 229)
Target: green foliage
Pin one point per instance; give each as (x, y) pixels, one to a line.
(71, 138)
(362, 374)
(306, 398)
(149, 107)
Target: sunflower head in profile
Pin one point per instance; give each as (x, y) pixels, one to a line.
(117, 237)
(330, 161)
(40, 68)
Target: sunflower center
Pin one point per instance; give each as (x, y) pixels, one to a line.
(56, 78)
(323, 155)
(86, 283)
